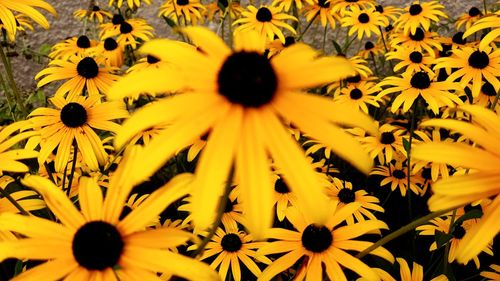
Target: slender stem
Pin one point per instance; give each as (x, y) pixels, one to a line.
(386, 49)
(10, 78)
(307, 27)
(14, 202)
(8, 97)
(218, 218)
(412, 225)
(412, 128)
(447, 248)
(324, 38)
(495, 102)
(72, 173)
(485, 9)
(374, 63)
(222, 20)
(47, 168)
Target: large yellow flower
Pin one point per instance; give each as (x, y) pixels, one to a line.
(26, 7)
(420, 15)
(9, 158)
(95, 243)
(240, 97)
(481, 182)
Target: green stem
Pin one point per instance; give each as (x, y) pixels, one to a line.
(14, 202)
(10, 78)
(447, 247)
(72, 173)
(8, 97)
(412, 128)
(412, 225)
(386, 49)
(485, 9)
(307, 27)
(495, 102)
(220, 211)
(374, 63)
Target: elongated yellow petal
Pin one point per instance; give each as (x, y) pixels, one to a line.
(90, 196)
(34, 227)
(283, 263)
(160, 238)
(208, 41)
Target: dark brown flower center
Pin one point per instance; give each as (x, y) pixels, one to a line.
(415, 9)
(369, 45)
(152, 59)
(387, 138)
(83, 42)
(353, 79)
(316, 238)
(458, 38)
(379, 8)
(182, 2)
(125, 28)
(479, 60)
(264, 15)
(97, 245)
(96, 8)
(87, 68)
(247, 78)
(420, 80)
(289, 40)
(231, 242)
(356, 94)
(399, 174)
(458, 232)
(324, 3)
(416, 57)
(346, 195)
(474, 12)
(281, 187)
(73, 115)
(110, 44)
(419, 35)
(117, 19)
(363, 18)
(488, 89)
(426, 174)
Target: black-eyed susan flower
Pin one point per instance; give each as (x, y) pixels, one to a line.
(321, 246)
(473, 66)
(341, 6)
(266, 21)
(323, 10)
(231, 248)
(487, 95)
(391, 13)
(357, 97)
(26, 7)
(111, 27)
(284, 198)
(437, 169)
(132, 4)
(74, 120)
(363, 22)
(286, 5)
(94, 243)
(9, 156)
(238, 96)
(130, 32)
(94, 14)
(386, 144)
(84, 73)
(484, 159)
(411, 60)
(27, 199)
(343, 193)
(213, 9)
(397, 176)
(457, 232)
(277, 46)
(188, 10)
(110, 52)
(74, 46)
(22, 23)
(468, 19)
(371, 49)
(420, 84)
(492, 22)
(419, 40)
(420, 15)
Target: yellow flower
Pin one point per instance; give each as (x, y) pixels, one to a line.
(468, 19)
(130, 32)
(239, 97)
(75, 46)
(26, 7)
(286, 5)
(396, 175)
(364, 22)
(357, 97)
(190, 10)
(322, 9)
(9, 158)
(132, 4)
(492, 22)
(94, 14)
(420, 15)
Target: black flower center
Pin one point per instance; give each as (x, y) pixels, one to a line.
(182, 2)
(458, 232)
(420, 80)
(152, 59)
(231, 242)
(229, 206)
(117, 19)
(387, 138)
(363, 18)
(83, 42)
(356, 94)
(247, 78)
(281, 187)
(87, 68)
(95, 8)
(399, 174)
(324, 3)
(125, 28)
(389, 28)
(125, 211)
(97, 245)
(446, 51)
(379, 9)
(426, 174)
(416, 57)
(474, 12)
(346, 195)
(316, 238)
(264, 15)
(110, 44)
(488, 89)
(353, 79)
(415, 9)
(369, 45)
(457, 38)
(419, 35)
(289, 40)
(479, 60)
(73, 115)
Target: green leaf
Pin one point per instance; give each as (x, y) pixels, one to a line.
(472, 214)
(442, 238)
(337, 47)
(406, 145)
(44, 49)
(170, 22)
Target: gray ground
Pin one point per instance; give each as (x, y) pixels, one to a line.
(65, 25)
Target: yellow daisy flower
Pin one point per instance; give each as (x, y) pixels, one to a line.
(468, 19)
(420, 15)
(94, 14)
(341, 6)
(190, 10)
(9, 158)
(84, 73)
(322, 244)
(286, 5)
(110, 52)
(410, 60)
(456, 191)
(284, 198)
(26, 7)
(386, 144)
(75, 120)
(437, 169)
(389, 12)
(213, 9)
(266, 21)
(238, 96)
(473, 66)
(132, 4)
(322, 9)
(420, 84)
(419, 40)
(27, 199)
(357, 97)
(22, 23)
(487, 95)
(130, 32)
(94, 244)
(370, 49)
(364, 22)
(396, 176)
(491, 22)
(75, 46)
